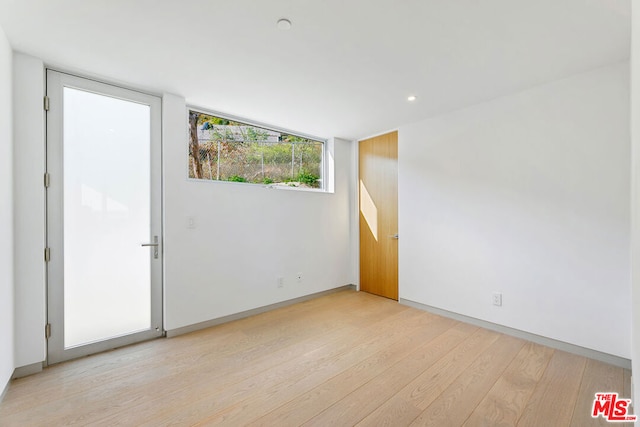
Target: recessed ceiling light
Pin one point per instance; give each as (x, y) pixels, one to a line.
(411, 98)
(284, 24)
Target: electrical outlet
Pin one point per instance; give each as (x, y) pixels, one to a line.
(299, 277)
(497, 298)
(281, 282)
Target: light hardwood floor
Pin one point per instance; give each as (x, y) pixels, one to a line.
(348, 358)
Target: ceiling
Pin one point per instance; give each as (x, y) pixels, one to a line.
(344, 69)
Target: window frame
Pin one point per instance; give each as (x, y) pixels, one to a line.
(324, 167)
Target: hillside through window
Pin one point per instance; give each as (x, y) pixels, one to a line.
(221, 149)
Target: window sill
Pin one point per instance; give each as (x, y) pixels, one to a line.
(290, 188)
(264, 186)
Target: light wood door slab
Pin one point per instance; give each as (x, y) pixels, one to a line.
(378, 190)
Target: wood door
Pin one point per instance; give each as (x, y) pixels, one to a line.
(378, 189)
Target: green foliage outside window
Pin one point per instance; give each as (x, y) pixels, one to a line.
(226, 150)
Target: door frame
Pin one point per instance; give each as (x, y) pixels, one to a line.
(56, 80)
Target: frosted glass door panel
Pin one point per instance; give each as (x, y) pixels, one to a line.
(106, 204)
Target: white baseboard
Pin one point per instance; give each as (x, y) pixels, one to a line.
(4, 391)
(209, 323)
(25, 371)
(539, 339)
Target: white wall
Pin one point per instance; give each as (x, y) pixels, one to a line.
(635, 195)
(246, 236)
(527, 195)
(29, 208)
(6, 215)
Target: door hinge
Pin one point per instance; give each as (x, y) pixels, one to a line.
(47, 330)
(46, 103)
(47, 254)
(47, 180)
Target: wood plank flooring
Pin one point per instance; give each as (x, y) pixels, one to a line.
(348, 358)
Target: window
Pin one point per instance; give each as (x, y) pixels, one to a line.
(222, 149)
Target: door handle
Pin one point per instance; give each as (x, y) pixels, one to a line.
(155, 245)
(395, 236)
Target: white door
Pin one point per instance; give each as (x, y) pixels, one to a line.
(103, 217)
